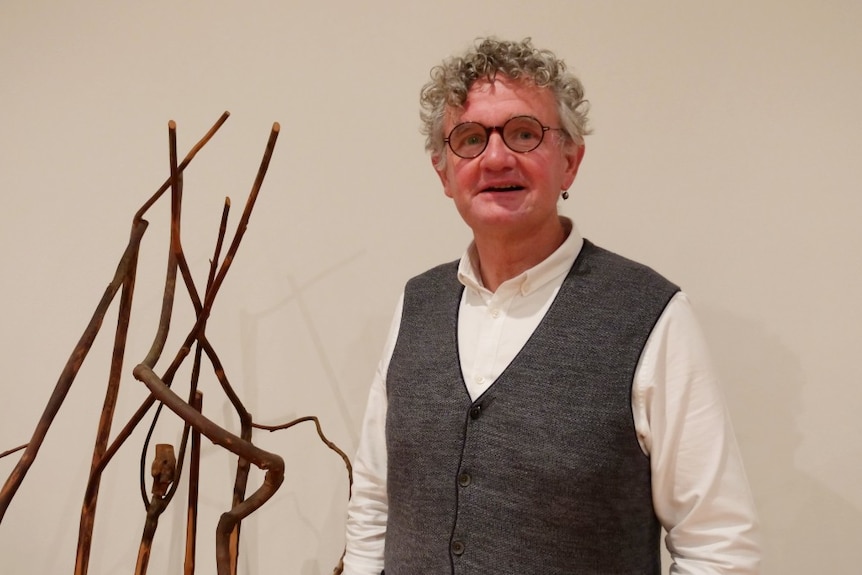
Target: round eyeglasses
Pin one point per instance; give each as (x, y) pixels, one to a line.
(520, 134)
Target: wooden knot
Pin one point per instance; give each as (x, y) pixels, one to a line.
(164, 469)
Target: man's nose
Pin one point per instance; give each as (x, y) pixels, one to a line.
(497, 153)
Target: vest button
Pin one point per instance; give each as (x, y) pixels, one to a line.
(464, 479)
(458, 547)
(475, 411)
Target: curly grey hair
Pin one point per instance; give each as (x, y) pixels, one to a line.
(451, 80)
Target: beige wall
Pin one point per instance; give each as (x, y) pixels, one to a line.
(726, 154)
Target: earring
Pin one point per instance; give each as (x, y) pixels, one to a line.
(565, 194)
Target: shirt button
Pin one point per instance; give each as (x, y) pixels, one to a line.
(458, 547)
(475, 411)
(495, 313)
(464, 479)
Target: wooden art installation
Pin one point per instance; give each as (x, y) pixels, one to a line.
(167, 465)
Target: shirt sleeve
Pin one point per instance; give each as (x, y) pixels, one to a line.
(367, 510)
(700, 492)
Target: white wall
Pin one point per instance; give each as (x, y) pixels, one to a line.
(726, 155)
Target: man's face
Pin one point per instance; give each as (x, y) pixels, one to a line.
(502, 192)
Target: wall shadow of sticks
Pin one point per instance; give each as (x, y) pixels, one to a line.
(807, 527)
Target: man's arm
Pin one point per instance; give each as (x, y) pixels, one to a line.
(367, 510)
(700, 491)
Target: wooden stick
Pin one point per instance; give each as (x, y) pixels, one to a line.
(70, 370)
(246, 215)
(91, 495)
(13, 450)
(161, 335)
(194, 482)
(157, 506)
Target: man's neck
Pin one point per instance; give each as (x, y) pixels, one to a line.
(502, 257)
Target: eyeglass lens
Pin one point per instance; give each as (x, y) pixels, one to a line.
(520, 134)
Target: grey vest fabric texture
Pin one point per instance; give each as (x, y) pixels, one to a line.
(543, 473)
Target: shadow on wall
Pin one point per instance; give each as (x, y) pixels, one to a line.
(807, 528)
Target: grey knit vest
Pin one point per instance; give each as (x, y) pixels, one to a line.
(543, 473)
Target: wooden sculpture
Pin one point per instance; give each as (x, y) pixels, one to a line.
(166, 469)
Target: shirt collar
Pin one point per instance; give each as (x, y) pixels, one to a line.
(555, 265)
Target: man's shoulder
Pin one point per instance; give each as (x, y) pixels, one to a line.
(444, 272)
(596, 258)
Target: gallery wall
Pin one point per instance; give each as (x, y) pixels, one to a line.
(725, 154)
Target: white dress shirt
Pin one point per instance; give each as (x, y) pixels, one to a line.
(700, 493)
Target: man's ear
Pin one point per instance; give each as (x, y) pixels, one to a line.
(441, 173)
(574, 154)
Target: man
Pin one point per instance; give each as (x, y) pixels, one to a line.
(542, 406)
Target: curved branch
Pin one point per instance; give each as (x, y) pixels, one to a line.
(323, 438)
(339, 568)
(269, 462)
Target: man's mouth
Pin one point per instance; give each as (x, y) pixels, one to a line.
(503, 189)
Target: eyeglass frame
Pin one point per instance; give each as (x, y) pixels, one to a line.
(498, 129)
